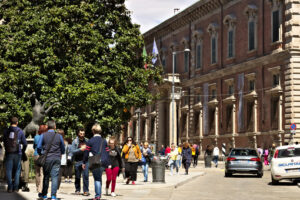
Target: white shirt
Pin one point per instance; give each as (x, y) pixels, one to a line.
(216, 151)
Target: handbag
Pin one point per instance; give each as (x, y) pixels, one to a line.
(42, 158)
(95, 160)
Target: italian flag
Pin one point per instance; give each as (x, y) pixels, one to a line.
(144, 55)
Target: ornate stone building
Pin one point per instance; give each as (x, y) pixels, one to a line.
(240, 83)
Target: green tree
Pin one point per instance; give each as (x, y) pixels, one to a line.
(85, 53)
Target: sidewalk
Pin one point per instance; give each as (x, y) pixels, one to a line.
(67, 190)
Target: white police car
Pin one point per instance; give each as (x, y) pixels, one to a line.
(285, 163)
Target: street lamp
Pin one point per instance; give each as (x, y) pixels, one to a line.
(173, 89)
(138, 112)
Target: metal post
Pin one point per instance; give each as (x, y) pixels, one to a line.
(138, 111)
(173, 91)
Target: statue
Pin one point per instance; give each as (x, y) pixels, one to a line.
(38, 115)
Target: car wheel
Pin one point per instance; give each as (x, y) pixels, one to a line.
(228, 174)
(260, 175)
(274, 182)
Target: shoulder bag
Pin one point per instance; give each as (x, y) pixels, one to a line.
(95, 160)
(42, 158)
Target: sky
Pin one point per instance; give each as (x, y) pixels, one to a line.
(149, 13)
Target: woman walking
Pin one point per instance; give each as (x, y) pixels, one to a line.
(68, 171)
(38, 170)
(93, 146)
(173, 159)
(186, 157)
(132, 155)
(146, 160)
(115, 167)
(208, 156)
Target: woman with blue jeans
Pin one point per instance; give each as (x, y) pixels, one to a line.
(173, 159)
(93, 146)
(146, 160)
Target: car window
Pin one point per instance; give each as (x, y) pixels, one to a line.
(291, 152)
(243, 152)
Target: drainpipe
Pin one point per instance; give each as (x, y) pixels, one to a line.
(263, 26)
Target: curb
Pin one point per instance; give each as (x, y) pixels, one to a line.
(187, 180)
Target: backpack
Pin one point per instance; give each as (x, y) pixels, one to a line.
(12, 141)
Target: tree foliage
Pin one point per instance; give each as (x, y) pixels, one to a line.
(85, 53)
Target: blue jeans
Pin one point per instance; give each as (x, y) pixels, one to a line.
(145, 168)
(51, 168)
(215, 160)
(85, 175)
(13, 170)
(172, 165)
(97, 174)
(178, 163)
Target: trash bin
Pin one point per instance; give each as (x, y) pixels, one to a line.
(158, 170)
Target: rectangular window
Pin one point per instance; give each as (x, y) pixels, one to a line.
(275, 80)
(163, 62)
(251, 85)
(230, 44)
(175, 64)
(276, 26)
(186, 101)
(198, 99)
(198, 56)
(213, 94)
(213, 50)
(251, 35)
(186, 61)
(230, 90)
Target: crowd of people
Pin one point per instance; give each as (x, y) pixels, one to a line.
(59, 155)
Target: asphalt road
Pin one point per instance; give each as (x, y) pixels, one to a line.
(214, 186)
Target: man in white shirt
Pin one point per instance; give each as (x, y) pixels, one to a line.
(216, 155)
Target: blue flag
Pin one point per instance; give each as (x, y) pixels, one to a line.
(154, 52)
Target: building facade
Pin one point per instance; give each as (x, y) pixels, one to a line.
(238, 85)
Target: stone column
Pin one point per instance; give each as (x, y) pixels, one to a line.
(146, 128)
(136, 132)
(255, 116)
(216, 124)
(233, 124)
(173, 124)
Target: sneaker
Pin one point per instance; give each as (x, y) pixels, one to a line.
(44, 197)
(86, 194)
(171, 174)
(25, 189)
(66, 181)
(77, 193)
(70, 181)
(133, 183)
(53, 198)
(106, 191)
(127, 182)
(113, 194)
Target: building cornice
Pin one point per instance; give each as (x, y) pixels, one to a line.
(190, 14)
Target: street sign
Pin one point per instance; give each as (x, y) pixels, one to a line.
(293, 126)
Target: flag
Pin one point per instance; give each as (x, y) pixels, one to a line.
(154, 52)
(144, 55)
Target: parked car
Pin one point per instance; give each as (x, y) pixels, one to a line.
(243, 160)
(285, 164)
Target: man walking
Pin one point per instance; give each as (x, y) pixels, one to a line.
(13, 138)
(78, 148)
(216, 155)
(56, 146)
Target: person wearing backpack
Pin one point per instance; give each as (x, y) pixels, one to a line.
(77, 150)
(13, 139)
(52, 145)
